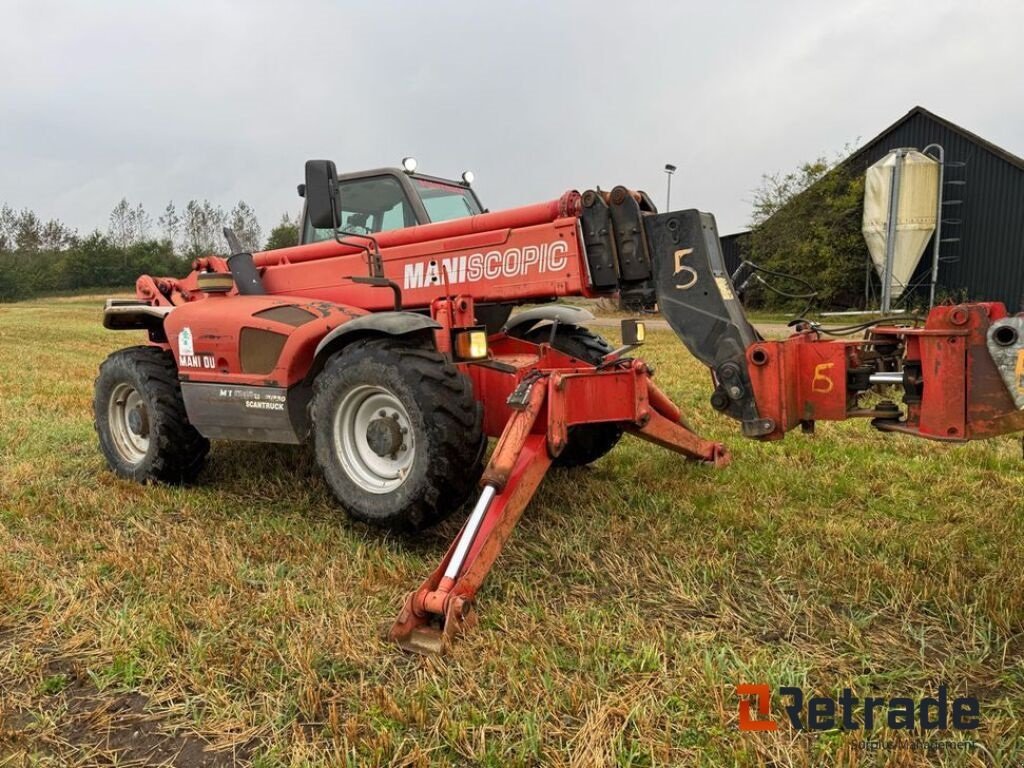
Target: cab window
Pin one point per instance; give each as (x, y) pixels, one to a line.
(445, 201)
(368, 206)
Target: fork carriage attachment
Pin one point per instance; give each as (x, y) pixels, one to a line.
(549, 397)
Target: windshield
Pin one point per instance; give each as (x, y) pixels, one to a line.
(445, 201)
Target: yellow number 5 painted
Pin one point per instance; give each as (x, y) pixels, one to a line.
(822, 382)
(680, 267)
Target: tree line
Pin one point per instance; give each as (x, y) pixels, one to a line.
(43, 257)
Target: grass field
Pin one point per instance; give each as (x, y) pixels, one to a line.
(138, 624)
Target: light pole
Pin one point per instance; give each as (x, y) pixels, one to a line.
(669, 170)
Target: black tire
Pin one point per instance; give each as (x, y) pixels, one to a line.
(586, 442)
(166, 447)
(371, 383)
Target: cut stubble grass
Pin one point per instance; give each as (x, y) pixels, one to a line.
(632, 598)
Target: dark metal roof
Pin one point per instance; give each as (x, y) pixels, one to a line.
(963, 132)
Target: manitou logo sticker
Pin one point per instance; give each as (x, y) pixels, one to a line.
(492, 265)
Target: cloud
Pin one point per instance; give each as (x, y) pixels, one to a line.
(158, 101)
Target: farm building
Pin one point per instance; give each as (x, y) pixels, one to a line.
(982, 237)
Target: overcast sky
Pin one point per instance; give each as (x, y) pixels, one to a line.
(225, 100)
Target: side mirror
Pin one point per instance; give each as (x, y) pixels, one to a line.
(322, 194)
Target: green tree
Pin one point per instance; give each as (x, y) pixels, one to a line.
(96, 262)
(246, 226)
(56, 236)
(38, 258)
(807, 223)
(28, 232)
(170, 223)
(122, 224)
(203, 225)
(284, 235)
(8, 227)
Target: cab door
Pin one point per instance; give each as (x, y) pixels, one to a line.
(370, 204)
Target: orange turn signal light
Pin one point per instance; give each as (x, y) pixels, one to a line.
(470, 344)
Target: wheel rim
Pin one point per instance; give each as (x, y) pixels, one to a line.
(373, 438)
(129, 423)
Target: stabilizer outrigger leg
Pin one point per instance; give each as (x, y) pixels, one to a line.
(443, 605)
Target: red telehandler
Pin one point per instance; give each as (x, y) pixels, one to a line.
(386, 340)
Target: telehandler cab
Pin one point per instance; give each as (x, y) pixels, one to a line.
(386, 341)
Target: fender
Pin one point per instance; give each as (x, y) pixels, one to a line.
(524, 322)
(389, 323)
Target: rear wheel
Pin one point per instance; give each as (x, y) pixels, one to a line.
(397, 433)
(140, 418)
(586, 442)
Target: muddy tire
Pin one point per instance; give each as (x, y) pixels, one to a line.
(140, 418)
(586, 442)
(397, 433)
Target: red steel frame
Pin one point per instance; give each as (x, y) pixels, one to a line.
(804, 378)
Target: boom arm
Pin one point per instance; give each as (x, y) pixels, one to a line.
(962, 374)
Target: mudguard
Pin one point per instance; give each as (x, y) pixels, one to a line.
(389, 323)
(524, 322)
(243, 362)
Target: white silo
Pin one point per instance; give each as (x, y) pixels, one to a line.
(901, 193)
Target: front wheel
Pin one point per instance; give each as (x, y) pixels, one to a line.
(397, 433)
(140, 418)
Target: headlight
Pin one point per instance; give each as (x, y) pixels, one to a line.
(467, 176)
(409, 164)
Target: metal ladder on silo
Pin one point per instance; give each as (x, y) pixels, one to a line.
(949, 214)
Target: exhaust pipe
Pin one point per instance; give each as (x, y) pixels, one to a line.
(247, 277)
